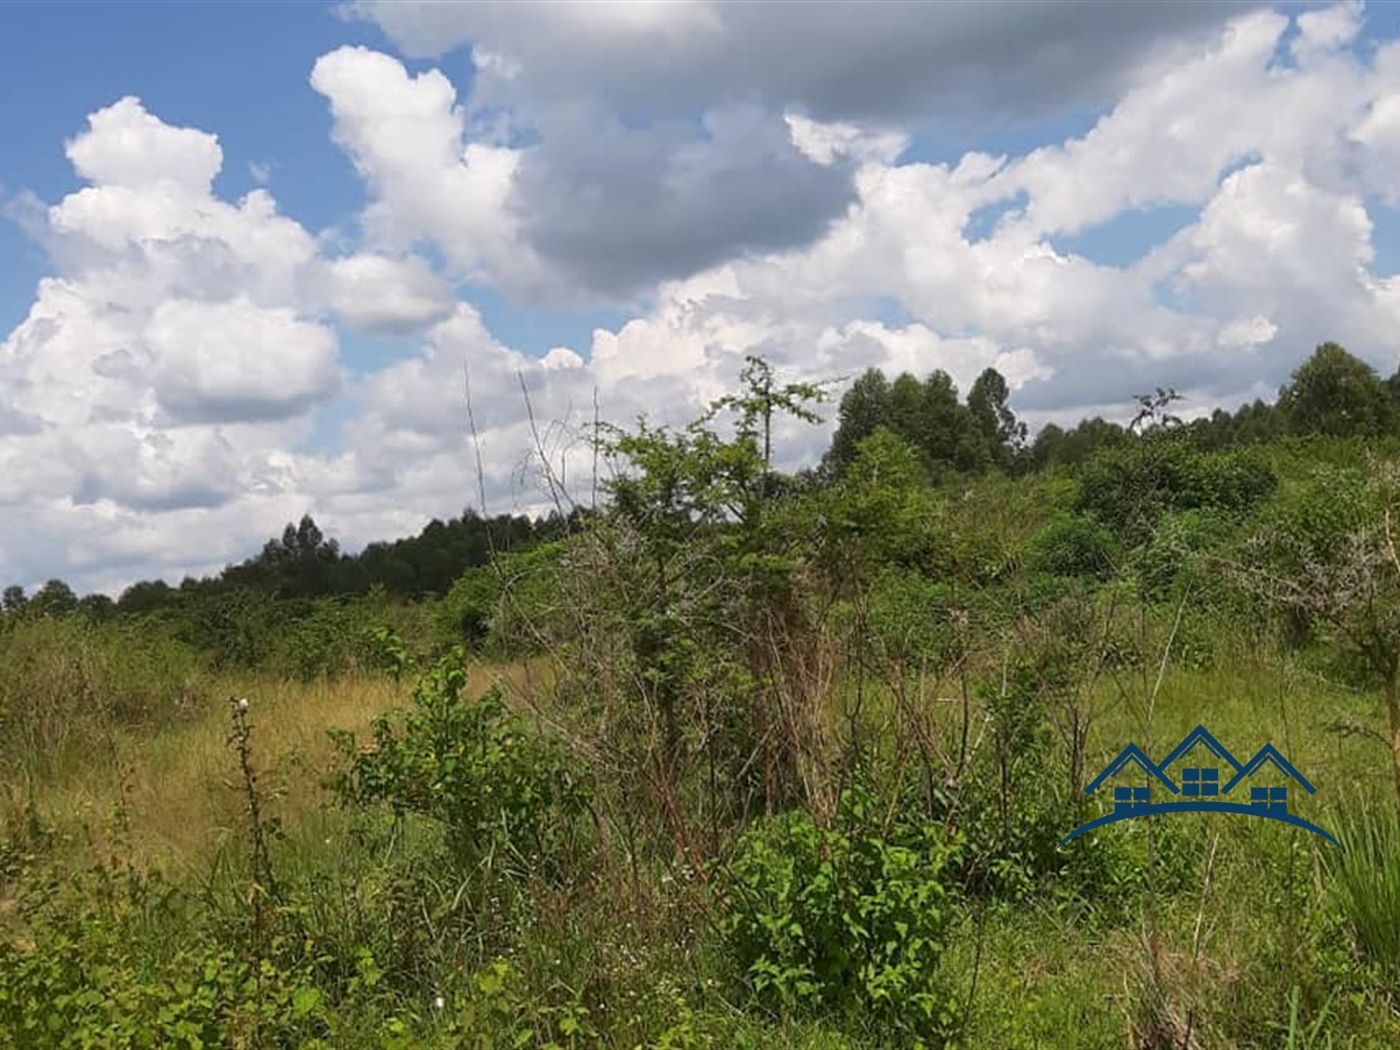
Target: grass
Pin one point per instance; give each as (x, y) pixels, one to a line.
(175, 788)
(1259, 950)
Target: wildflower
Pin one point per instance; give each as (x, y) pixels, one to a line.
(439, 1002)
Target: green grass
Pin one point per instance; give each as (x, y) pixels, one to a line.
(1283, 945)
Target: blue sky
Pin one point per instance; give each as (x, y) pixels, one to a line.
(622, 201)
(239, 69)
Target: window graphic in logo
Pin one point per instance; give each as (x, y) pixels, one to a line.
(1206, 786)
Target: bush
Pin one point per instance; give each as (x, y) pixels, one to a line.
(1131, 488)
(468, 610)
(90, 972)
(1170, 558)
(1071, 545)
(850, 919)
(503, 794)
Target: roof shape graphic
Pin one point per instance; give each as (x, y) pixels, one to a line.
(1268, 753)
(1200, 735)
(1131, 753)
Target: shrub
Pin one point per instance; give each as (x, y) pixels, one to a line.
(1071, 545)
(850, 919)
(1132, 487)
(502, 793)
(469, 608)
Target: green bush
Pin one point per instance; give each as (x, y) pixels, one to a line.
(1071, 545)
(469, 608)
(850, 919)
(90, 972)
(504, 794)
(1171, 558)
(1130, 488)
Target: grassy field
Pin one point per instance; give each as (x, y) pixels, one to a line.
(1241, 934)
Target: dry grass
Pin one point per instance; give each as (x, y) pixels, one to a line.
(178, 787)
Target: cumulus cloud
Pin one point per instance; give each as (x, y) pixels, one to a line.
(623, 144)
(616, 208)
(176, 354)
(162, 437)
(844, 60)
(126, 146)
(377, 293)
(406, 136)
(593, 206)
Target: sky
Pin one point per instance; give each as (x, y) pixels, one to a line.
(253, 256)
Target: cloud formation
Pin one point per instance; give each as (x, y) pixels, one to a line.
(163, 388)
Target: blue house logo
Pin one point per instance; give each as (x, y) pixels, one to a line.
(1202, 788)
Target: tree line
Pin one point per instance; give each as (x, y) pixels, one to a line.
(1332, 393)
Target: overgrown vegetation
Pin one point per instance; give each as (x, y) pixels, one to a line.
(740, 759)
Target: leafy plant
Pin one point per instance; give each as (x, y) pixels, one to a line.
(501, 791)
(850, 919)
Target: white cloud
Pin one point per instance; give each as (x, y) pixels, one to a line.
(167, 368)
(233, 362)
(381, 294)
(126, 146)
(406, 136)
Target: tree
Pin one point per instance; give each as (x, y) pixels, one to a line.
(14, 599)
(993, 423)
(909, 411)
(946, 434)
(1048, 447)
(1152, 416)
(55, 598)
(97, 607)
(146, 596)
(760, 402)
(1336, 394)
(864, 407)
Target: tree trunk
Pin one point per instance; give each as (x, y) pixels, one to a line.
(1392, 703)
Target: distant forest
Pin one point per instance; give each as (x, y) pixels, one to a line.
(1332, 393)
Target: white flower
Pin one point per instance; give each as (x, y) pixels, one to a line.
(439, 1002)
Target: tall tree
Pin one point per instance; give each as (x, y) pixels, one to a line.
(994, 425)
(1337, 394)
(909, 411)
(863, 408)
(54, 598)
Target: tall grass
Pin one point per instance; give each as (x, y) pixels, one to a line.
(1365, 880)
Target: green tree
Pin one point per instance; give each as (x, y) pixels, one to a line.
(55, 598)
(946, 433)
(97, 607)
(994, 425)
(14, 599)
(1336, 394)
(865, 406)
(146, 596)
